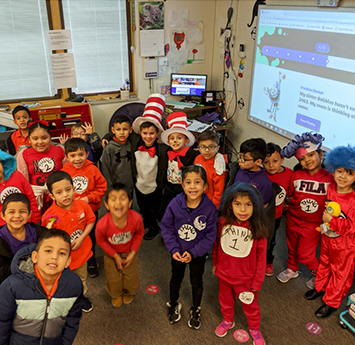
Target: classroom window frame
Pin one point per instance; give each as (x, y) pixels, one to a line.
(129, 57)
(62, 94)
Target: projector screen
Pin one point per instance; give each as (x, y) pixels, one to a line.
(304, 72)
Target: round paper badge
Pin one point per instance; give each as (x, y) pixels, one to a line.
(152, 289)
(246, 297)
(313, 328)
(241, 335)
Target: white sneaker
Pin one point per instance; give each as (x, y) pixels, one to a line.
(286, 275)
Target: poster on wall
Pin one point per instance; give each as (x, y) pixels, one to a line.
(196, 54)
(151, 23)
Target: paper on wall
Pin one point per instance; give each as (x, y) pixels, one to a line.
(164, 69)
(177, 18)
(194, 34)
(59, 39)
(152, 43)
(63, 70)
(178, 40)
(164, 88)
(196, 54)
(177, 58)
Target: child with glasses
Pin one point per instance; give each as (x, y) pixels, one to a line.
(248, 168)
(214, 163)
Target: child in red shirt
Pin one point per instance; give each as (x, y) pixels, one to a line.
(19, 139)
(239, 256)
(214, 163)
(74, 217)
(308, 192)
(36, 162)
(335, 273)
(281, 175)
(119, 233)
(89, 184)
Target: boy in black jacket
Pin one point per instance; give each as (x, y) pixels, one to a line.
(41, 300)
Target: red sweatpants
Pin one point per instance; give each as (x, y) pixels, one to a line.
(227, 294)
(302, 240)
(335, 273)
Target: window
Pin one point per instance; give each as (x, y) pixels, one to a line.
(24, 56)
(100, 43)
(100, 37)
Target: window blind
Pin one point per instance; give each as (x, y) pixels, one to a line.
(100, 43)
(24, 57)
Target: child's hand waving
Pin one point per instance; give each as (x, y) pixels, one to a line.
(87, 128)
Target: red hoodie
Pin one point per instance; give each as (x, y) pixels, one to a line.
(18, 184)
(88, 182)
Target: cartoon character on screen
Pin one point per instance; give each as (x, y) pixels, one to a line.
(333, 208)
(274, 94)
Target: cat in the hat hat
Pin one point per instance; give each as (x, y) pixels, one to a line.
(180, 154)
(180, 140)
(149, 162)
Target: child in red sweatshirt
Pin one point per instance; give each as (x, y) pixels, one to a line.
(89, 184)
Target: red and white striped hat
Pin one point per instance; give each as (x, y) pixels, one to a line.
(153, 112)
(177, 123)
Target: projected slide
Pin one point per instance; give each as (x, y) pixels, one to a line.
(304, 73)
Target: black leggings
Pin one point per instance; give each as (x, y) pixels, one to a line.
(197, 267)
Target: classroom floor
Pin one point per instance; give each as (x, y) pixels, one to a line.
(284, 311)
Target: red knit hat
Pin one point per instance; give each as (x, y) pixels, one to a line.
(177, 123)
(153, 112)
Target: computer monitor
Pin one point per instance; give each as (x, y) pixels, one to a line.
(188, 85)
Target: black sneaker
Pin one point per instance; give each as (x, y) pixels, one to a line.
(86, 305)
(93, 270)
(174, 312)
(151, 233)
(194, 319)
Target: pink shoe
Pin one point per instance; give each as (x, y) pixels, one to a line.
(257, 337)
(269, 270)
(223, 328)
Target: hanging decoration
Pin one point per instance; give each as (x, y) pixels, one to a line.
(241, 103)
(241, 69)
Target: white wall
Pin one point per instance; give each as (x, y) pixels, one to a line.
(214, 14)
(203, 10)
